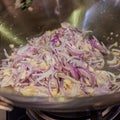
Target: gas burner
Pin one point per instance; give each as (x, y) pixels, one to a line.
(111, 113)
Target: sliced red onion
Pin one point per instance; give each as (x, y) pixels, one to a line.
(75, 52)
(67, 55)
(6, 54)
(53, 83)
(86, 73)
(44, 75)
(97, 45)
(54, 40)
(74, 72)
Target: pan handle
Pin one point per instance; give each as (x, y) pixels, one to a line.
(5, 104)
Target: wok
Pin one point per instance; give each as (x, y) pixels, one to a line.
(20, 23)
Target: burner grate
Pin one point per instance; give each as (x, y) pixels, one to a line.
(111, 113)
(17, 114)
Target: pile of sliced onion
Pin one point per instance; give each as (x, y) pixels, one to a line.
(62, 62)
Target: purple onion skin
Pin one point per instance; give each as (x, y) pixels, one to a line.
(74, 72)
(96, 45)
(88, 74)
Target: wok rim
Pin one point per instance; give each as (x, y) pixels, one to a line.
(72, 104)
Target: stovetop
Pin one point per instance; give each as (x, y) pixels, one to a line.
(17, 114)
(111, 113)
